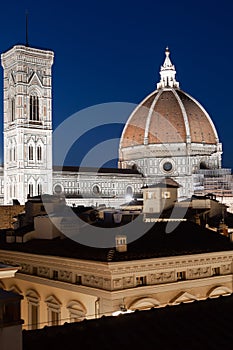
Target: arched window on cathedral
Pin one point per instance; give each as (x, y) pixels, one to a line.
(30, 190)
(39, 153)
(34, 108)
(30, 152)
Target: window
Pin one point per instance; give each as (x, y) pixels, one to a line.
(78, 279)
(55, 275)
(34, 108)
(39, 189)
(129, 191)
(14, 153)
(141, 281)
(216, 271)
(96, 189)
(166, 194)
(167, 166)
(33, 309)
(121, 240)
(30, 152)
(149, 195)
(30, 190)
(10, 153)
(181, 276)
(58, 189)
(12, 109)
(39, 153)
(54, 317)
(34, 316)
(77, 311)
(53, 311)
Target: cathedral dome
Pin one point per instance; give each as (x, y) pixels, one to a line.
(168, 115)
(169, 132)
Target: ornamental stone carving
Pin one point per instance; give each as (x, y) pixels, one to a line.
(199, 272)
(162, 277)
(43, 271)
(66, 275)
(128, 282)
(225, 269)
(26, 268)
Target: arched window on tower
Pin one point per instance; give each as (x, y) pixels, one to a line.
(14, 154)
(30, 190)
(39, 189)
(39, 153)
(10, 153)
(34, 108)
(30, 152)
(12, 109)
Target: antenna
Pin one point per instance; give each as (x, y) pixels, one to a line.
(27, 28)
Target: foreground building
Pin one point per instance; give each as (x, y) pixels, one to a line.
(65, 281)
(10, 315)
(168, 134)
(198, 325)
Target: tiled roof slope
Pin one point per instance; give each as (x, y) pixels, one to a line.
(166, 113)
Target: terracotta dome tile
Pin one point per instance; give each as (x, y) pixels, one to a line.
(167, 124)
(201, 129)
(167, 121)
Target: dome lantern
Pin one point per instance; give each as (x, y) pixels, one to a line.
(167, 73)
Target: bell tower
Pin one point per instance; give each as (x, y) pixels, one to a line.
(27, 122)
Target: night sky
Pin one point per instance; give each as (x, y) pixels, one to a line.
(111, 51)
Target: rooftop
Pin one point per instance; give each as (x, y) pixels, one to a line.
(186, 238)
(76, 169)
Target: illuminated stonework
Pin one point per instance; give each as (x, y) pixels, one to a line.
(27, 122)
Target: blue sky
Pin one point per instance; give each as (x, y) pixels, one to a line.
(111, 51)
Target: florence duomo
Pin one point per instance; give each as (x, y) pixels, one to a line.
(135, 249)
(168, 134)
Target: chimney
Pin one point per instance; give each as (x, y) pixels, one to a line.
(121, 243)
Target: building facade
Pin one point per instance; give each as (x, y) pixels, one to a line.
(56, 289)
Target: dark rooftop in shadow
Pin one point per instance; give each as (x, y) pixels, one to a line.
(186, 238)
